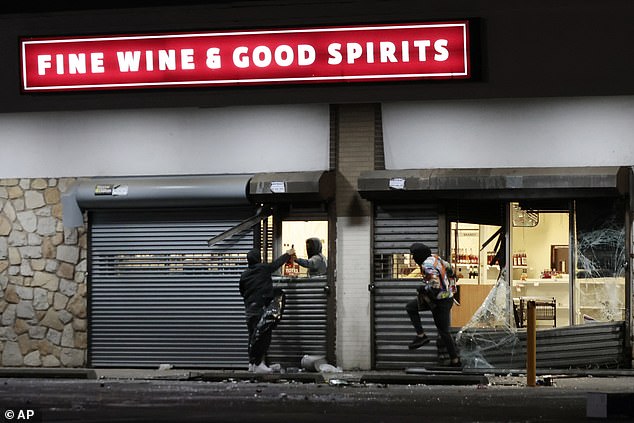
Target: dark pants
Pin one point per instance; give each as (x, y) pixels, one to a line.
(261, 320)
(442, 319)
(257, 347)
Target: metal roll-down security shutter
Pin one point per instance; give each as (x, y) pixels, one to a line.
(159, 294)
(303, 329)
(396, 227)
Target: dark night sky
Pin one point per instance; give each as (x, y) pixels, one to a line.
(74, 5)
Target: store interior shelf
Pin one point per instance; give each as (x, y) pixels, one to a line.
(496, 266)
(536, 282)
(565, 281)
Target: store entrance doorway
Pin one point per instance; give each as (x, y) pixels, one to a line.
(538, 263)
(540, 249)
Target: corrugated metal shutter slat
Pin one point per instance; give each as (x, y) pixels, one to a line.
(158, 294)
(396, 227)
(303, 328)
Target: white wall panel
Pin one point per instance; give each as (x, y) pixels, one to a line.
(585, 131)
(164, 141)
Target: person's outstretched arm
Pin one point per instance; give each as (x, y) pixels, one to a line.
(278, 262)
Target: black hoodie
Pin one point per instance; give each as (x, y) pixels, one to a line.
(317, 264)
(256, 284)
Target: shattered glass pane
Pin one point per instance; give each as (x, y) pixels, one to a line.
(490, 337)
(600, 261)
(600, 279)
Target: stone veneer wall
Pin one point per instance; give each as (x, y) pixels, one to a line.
(42, 277)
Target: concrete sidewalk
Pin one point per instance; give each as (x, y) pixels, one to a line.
(621, 380)
(197, 395)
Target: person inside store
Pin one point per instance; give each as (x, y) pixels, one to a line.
(435, 295)
(316, 263)
(261, 304)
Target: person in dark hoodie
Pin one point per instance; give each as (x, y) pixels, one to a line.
(256, 288)
(436, 295)
(316, 263)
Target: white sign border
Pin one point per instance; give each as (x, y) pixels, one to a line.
(234, 82)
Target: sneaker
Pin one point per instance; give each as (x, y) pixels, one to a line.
(262, 368)
(251, 368)
(418, 342)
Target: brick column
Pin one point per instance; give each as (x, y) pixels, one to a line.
(356, 135)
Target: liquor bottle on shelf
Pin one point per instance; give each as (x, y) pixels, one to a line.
(473, 272)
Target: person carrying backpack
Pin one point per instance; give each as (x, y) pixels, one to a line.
(435, 295)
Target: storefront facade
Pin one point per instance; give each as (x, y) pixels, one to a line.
(542, 219)
(132, 274)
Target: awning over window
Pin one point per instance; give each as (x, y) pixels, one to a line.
(496, 183)
(158, 191)
(163, 191)
(194, 191)
(292, 186)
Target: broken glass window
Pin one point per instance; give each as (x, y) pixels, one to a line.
(601, 262)
(490, 336)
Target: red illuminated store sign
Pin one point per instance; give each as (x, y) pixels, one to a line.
(309, 55)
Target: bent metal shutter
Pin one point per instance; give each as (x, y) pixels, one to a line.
(160, 295)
